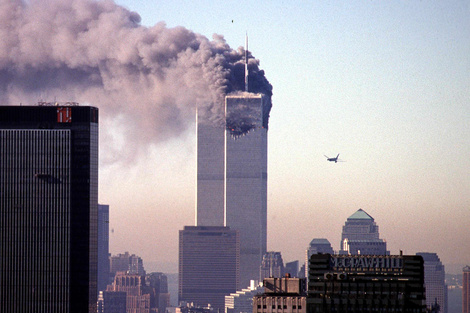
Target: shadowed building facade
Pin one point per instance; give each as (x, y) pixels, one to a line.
(48, 208)
(371, 283)
(208, 265)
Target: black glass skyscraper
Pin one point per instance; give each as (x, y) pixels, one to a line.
(48, 208)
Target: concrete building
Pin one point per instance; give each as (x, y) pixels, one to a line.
(434, 280)
(361, 236)
(372, 283)
(272, 265)
(49, 208)
(232, 176)
(466, 290)
(242, 300)
(281, 295)
(208, 265)
(103, 247)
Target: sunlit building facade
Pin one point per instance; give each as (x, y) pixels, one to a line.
(232, 176)
(48, 207)
(361, 236)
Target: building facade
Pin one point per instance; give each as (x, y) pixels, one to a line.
(49, 204)
(272, 265)
(435, 281)
(232, 176)
(357, 283)
(208, 265)
(466, 290)
(103, 247)
(317, 245)
(281, 295)
(361, 236)
(246, 163)
(242, 300)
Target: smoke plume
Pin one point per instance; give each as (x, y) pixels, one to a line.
(145, 80)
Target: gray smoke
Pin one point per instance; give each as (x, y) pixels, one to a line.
(146, 80)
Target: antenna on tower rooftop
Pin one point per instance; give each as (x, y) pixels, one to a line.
(246, 62)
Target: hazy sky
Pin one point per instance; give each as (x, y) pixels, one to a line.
(384, 83)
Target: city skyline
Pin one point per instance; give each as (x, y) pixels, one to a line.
(384, 84)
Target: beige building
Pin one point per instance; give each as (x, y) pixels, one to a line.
(281, 295)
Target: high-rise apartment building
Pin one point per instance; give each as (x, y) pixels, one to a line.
(232, 176)
(435, 281)
(48, 208)
(103, 246)
(361, 236)
(208, 265)
(466, 290)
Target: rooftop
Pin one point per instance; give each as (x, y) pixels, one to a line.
(360, 215)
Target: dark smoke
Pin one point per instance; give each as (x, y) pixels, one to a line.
(147, 81)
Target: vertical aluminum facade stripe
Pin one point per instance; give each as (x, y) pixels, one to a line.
(35, 169)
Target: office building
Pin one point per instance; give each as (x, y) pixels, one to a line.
(159, 297)
(246, 179)
(48, 207)
(466, 290)
(137, 293)
(208, 265)
(281, 295)
(292, 268)
(125, 262)
(361, 236)
(434, 281)
(112, 302)
(232, 177)
(103, 246)
(317, 245)
(272, 265)
(358, 283)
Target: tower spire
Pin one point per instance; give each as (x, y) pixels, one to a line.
(246, 62)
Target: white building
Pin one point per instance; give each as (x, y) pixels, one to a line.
(242, 300)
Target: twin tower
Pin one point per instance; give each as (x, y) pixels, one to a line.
(231, 197)
(232, 178)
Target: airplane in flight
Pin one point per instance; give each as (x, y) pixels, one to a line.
(336, 160)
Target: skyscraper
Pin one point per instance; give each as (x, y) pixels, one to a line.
(232, 176)
(103, 246)
(272, 265)
(466, 290)
(246, 168)
(48, 208)
(317, 245)
(208, 265)
(434, 280)
(361, 236)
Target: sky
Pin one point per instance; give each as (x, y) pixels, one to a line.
(385, 84)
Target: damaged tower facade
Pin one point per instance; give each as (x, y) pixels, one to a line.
(232, 177)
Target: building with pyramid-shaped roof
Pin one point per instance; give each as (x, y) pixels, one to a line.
(361, 236)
